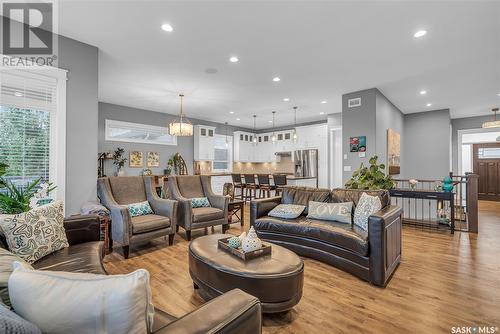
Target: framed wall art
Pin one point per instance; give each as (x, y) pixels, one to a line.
(153, 159)
(136, 159)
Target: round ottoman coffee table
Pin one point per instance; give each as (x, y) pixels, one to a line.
(276, 279)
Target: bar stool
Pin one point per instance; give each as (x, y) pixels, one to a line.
(279, 183)
(264, 185)
(238, 184)
(249, 186)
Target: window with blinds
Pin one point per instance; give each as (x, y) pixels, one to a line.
(222, 154)
(27, 106)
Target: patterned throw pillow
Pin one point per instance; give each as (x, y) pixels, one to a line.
(287, 211)
(339, 212)
(34, 234)
(367, 206)
(200, 202)
(140, 209)
(6, 261)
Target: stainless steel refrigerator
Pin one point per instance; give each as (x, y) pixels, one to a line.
(306, 163)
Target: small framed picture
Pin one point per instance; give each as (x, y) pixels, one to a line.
(136, 159)
(153, 159)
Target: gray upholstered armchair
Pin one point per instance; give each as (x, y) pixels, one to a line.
(183, 189)
(117, 192)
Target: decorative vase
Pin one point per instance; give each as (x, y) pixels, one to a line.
(448, 184)
(234, 242)
(120, 172)
(251, 242)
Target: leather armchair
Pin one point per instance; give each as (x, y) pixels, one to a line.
(116, 193)
(233, 312)
(183, 189)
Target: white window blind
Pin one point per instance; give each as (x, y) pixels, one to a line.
(27, 108)
(222, 154)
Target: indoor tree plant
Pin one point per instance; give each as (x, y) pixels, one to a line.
(119, 161)
(370, 178)
(14, 199)
(170, 166)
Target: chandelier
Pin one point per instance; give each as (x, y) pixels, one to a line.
(273, 137)
(181, 126)
(294, 136)
(254, 140)
(494, 123)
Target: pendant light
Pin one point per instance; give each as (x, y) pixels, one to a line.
(294, 135)
(181, 126)
(273, 137)
(254, 140)
(494, 123)
(225, 129)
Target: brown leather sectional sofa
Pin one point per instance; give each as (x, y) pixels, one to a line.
(233, 312)
(371, 255)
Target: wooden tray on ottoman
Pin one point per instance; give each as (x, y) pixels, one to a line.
(265, 250)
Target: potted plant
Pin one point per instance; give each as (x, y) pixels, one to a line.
(170, 166)
(370, 178)
(14, 199)
(119, 161)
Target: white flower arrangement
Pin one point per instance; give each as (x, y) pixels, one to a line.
(413, 183)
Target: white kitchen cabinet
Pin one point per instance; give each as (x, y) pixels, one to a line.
(203, 142)
(244, 148)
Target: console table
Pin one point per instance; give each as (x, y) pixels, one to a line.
(429, 195)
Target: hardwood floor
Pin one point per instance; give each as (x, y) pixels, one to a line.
(443, 281)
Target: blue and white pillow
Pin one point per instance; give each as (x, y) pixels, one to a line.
(140, 209)
(287, 211)
(367, 206)
(200, 202)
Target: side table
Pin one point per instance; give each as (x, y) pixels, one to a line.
(233, 208)
(105, 225)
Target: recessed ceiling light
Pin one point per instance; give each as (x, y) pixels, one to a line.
(420, 33)
(322, 113)
(276, 79)
(231, 112)
(429, 104)
(286, 99)
(423, 92)
(18, 94)
(323, 101)
(237, 119)
(269, 121)
(498, 94)
(167, 27)
(233, 59)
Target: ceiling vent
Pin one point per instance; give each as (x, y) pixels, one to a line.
(352, 103)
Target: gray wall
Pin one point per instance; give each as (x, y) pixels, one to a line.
(388, 116)
(185, 145)
(464, 124)
(359, 121)
(426, 149)
(81, 60)
(372, 119)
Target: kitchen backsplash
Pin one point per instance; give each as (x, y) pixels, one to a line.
(284, 166)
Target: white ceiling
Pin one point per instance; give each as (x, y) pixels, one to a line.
(320, 50)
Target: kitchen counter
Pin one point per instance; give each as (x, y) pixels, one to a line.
(291, 177)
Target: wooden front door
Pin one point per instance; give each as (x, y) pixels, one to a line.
(486, 162)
